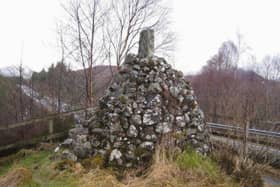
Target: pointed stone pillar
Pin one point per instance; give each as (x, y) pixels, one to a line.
(146, 43)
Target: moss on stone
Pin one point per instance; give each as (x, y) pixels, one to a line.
(64, 165)
(123, 99)
(96, 161)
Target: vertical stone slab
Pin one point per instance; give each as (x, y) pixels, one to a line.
(146, 43)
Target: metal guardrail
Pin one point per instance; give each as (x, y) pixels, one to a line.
(259, 132)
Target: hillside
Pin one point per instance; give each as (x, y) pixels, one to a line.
(72, 90)
(69, 85)
(102, 76)
(234, 96)
(11, 110)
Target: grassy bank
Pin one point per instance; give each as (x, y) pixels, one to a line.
(37, 168)
(33, 168)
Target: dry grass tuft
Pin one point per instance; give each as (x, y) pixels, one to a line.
(160, 174)
(247, 173)
(242, 169)
(16, 177)
(100, 178)
(96, 161)
(167, 170)
(164, 171)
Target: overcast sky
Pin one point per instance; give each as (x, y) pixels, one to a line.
(201, 26)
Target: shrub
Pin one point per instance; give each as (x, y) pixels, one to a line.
(242, 169)
(247, 173)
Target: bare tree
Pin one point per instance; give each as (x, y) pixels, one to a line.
(83, 38)
(31, 98)
(20, 84)
(270, 70)
(270, 67)
(61, 70)
(99, 31)
(125, 21)
(227, 57)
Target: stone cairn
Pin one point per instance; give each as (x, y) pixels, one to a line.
(146, 101)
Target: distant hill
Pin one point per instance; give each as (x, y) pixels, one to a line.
(249, 75)
(102, 75)
(72, 92)
(73, 83)
(240, 74)
(10, 108)
(230, 96)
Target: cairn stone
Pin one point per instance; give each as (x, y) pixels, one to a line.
(146, 101)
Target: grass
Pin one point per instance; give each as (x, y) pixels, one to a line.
(41, 167)
(7, 162)
(189, 159)
(198, 170)
(36, 169)
(244, 170)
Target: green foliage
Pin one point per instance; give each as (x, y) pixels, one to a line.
(189, 159)
(35, 159)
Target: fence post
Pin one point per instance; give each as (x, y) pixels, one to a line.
(245, 140)
(50, 129)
